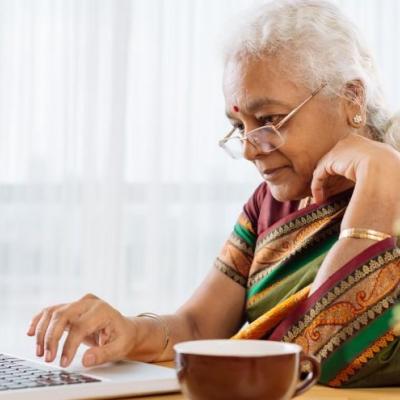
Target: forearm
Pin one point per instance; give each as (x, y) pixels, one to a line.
(215, 310)
(341, 252)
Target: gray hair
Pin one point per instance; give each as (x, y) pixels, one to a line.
(323, 46)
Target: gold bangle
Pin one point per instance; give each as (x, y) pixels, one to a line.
(358, 233)
(164, 326)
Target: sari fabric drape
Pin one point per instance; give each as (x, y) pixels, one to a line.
(275, 251)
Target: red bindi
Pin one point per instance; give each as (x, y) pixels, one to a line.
(235, 108)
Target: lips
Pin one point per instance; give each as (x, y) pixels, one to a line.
(272, 174)
(270, 171)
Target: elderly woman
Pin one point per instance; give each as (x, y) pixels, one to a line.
(313, 257)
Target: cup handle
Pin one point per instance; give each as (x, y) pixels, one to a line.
(311, 377)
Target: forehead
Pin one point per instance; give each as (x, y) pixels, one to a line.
(247, 80)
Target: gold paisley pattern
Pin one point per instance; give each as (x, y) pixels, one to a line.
(342, 287)
(303, 221)
(258, 269)
(352, 328)
(368, 294)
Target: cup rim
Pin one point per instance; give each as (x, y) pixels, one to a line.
(244, 348)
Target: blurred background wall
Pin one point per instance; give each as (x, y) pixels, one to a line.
(111, 179)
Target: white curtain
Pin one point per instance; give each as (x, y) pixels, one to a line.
(111, 180)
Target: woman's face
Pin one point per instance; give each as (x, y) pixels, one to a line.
(256, 93)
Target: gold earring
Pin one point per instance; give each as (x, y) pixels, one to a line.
(357, 119)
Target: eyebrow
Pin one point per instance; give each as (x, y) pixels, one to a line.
(257, 103)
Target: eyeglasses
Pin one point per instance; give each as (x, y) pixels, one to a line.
(267, 138)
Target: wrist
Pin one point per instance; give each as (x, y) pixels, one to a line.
(361, 233)
(132, 330)
(147, 339)
(161, 322)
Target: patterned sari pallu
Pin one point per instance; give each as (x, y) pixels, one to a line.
(347, 322)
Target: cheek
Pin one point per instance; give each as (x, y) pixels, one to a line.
(302, 162)
(305, 152)
(304, 165)
(311, 136)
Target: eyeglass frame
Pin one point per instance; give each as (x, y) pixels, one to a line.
(276, 127)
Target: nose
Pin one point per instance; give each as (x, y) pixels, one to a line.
(250, 151)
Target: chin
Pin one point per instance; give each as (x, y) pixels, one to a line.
(288, 192)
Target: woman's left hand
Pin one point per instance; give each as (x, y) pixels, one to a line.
(354, 160)
(373, 168)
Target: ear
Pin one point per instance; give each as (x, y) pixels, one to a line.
(354, 103)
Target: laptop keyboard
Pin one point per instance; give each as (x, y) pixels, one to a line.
(16, 373)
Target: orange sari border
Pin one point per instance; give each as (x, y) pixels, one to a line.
(362, 359)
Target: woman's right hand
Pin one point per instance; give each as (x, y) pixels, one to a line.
(90, 320)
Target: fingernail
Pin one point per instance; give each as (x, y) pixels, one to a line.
(47, 356)
(64, 361)
(38, 350)
(89, 360)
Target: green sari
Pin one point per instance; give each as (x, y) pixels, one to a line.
(275, 251)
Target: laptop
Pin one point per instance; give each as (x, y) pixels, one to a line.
(28, 379)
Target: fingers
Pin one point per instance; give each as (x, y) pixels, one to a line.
(41, 329)
(99, 355)
(32, 326)
(318, 182)
(60, 320)
(119, 343)
(104, 336)
(92, 340)
(327, 181)
(49, 325)
(88, 324)
(87, 320)
(35, 320)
